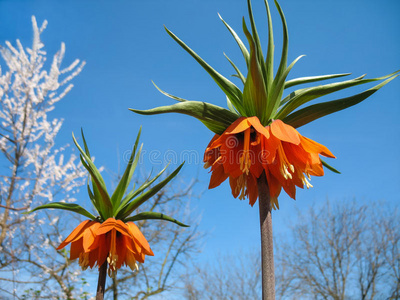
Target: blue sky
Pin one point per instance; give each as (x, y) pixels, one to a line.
(125, 47)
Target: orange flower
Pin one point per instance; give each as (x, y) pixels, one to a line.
(118, 242)
(246, 149)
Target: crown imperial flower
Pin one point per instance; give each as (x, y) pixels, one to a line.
(262, 119)
(246, 149)
(112, 238)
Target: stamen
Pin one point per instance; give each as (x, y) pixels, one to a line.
(285, 173)
(112, 258)
(306, 182)
(245, 161)
(84, 260)
(241, 186)
(285, 165)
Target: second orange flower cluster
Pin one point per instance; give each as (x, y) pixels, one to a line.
(118, 242)
(247, 148)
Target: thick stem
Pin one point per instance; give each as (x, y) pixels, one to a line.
(101, 284)
(115, 287)
(267, 247)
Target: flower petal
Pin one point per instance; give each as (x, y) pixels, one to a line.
(89, 236)
(138, 235)
(76, 233)
(111, 224)
(314, 147)
(255, 122)
(285, 132)
(238, 126)
(217, 177)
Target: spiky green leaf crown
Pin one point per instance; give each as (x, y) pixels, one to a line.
(262, 92)
(121, 204)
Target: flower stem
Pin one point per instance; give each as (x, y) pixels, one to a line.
(267, 247)
(101, 284)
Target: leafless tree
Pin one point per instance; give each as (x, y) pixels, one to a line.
(334, 251)
(235, 276)
(342, 251)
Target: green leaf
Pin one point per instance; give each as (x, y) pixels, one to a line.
(130, 207)
(285, 45)
(98, 180)
(169, 95)
(300, 97)
(229, 88)
(316, 111)
(95, 197)
(91, 196)
(153, 216)
(269, 63)
(200, 110)
(96, 194)
(329, 167)
(134, 192)
(309, 79)
(215, 127)
(254, 92)
(127, 176)
(65, 206)
(274, 100)
(85, 145)
(239, 74)
(257, 44)
(231, 107)
(242, 47)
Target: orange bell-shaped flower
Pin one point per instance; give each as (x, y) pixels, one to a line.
(246, 149)
(118, 242)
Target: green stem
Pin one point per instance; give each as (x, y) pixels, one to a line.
(267, 246)
(101, 284)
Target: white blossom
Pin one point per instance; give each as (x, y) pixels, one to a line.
(33, 171)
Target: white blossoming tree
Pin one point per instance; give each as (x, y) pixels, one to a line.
(33, 171)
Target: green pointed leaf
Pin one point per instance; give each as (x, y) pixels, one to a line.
(130, 207)
(300, 97)
(275, 99)
(200, 110)
(256, 39)
(215, 127)
(309, 79)
(316, 111)
(85, 144)
(269, 63)
(282, 65)
(169, 95)
(229, 88)
(99, 206)
(231, 107)
(91, 196)
(134, 192)
(127, 176)
(329, 167)
(64, 206)
(97, 179)
(254, 92)
(95, 197)
(239, 74)
(242, 47)
(154, 216)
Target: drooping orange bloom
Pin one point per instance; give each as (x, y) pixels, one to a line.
(118, 242)
(247, 148)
